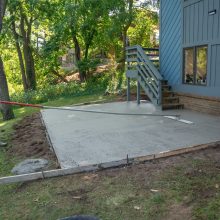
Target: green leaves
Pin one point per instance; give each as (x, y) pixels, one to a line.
(90, 27)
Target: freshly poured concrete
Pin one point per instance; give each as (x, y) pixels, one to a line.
(81, 138)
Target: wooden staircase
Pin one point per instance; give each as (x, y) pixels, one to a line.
(169, 99)
(143, 65)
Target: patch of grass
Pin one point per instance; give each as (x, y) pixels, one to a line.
(195, 183)
(6, 163)
(65, 101)
(56, 198)
(208, 210)
(119, 194)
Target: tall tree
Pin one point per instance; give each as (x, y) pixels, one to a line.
(71, 9)
(6, 110)
(80, 20)
(23, 16)
(122, 16)
(27, 49)
(17, 39)
(144, 28)
(128, 10)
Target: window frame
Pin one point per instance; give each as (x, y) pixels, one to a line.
(194, 65)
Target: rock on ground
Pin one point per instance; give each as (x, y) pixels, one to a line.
(3, 144)
(30, 166)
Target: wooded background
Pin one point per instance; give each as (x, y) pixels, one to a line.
(36, 34)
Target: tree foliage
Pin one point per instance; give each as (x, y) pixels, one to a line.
(37, 33)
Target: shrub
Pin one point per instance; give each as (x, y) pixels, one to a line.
(94, 85)
(112, 82)
(86, 66)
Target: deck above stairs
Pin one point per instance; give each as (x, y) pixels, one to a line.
(143, 66)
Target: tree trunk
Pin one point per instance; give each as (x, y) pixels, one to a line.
(20, 57)
(124, 32)
(77, 49)
(78, 55)
(28, 56)
(3, 4)
(33, 84)
(6, 110)
(124, 38)
(88, 41)
(86, 51)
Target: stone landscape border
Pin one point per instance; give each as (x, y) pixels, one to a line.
(103, 166)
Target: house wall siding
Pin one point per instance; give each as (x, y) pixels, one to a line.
(198, 26)
(170, 40)
(215, 66)
(185, 24)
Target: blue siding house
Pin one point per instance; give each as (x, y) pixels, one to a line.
(189, 58)
(187, 27)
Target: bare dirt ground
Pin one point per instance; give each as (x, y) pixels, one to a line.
(29, 140)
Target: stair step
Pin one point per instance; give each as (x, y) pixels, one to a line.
(172, 99)
(164, 82)
(167, 93)
(172, 106)
(166, 87)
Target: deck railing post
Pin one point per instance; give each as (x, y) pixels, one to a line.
(128, 89)
(160, 93)
(138, 93)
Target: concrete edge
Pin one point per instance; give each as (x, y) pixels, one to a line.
(102, 166)
(177, 152)
(21, 178)
(48, 137)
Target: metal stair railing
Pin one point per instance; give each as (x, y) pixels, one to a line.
(146, 73)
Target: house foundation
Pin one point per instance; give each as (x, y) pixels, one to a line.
(209, 105)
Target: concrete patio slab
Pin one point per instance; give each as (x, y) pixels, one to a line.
(81, 138)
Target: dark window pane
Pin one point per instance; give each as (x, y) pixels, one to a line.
(188, 66)
(201, 65)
